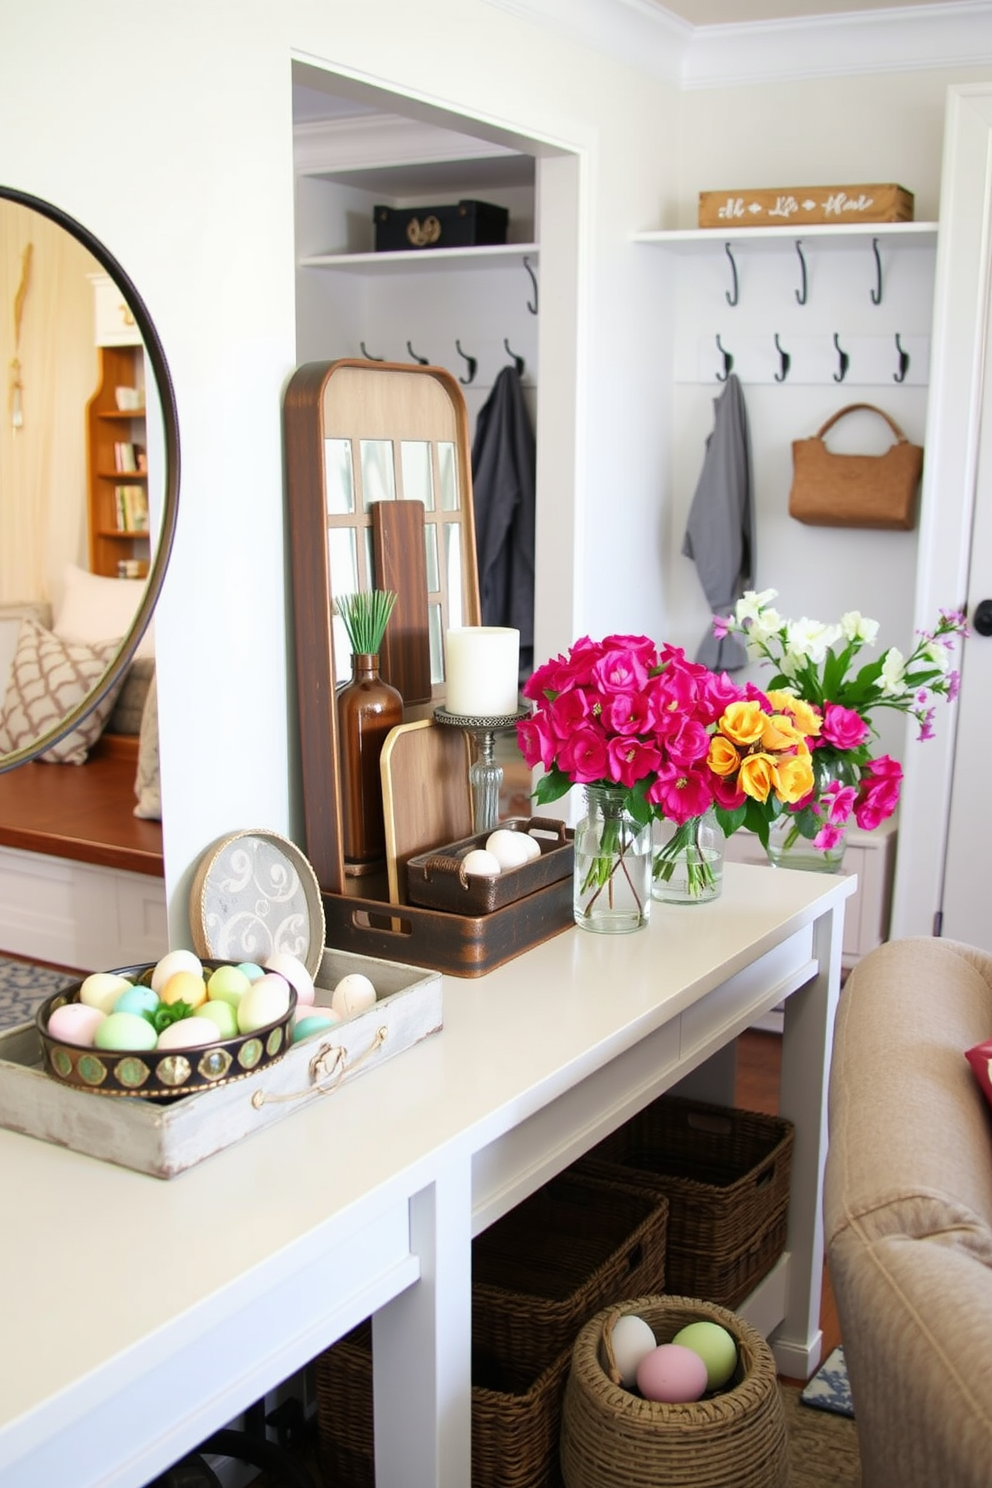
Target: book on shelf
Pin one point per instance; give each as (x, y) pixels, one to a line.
(125, 456)
(131, 508)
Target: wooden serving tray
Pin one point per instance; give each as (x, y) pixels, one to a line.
(462, 945)
(437, 879)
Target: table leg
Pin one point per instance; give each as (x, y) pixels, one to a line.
(422, 1348)
(807, 1039)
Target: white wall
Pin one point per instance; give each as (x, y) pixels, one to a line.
(167, 131)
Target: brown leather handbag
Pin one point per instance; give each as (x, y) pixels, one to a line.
(831, 490)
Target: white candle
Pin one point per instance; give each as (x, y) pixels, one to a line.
(482, 664)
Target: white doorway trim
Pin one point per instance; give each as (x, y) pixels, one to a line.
(961, 309)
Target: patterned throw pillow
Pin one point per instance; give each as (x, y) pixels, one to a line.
(48, 677)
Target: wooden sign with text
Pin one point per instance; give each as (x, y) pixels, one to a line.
(804, 205)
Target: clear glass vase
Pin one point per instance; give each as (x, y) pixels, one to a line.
(612, 885)
(687, 866)
(788, 848)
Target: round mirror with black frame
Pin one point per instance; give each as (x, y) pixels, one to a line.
(120, 653)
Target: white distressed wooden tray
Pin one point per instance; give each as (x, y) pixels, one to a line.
(166, 1139)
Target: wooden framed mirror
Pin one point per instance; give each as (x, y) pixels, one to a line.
(24, 210)
(378, 466)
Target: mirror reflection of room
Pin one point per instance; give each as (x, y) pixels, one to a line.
(75, 529)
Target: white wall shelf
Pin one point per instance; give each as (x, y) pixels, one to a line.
(839, 235)
(403, 261)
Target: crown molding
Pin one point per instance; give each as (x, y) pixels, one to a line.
(372, 141)
(637, 32)
(645, 35)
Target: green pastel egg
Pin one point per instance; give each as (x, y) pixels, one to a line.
(715, 1346)
(124, 1031)
(228, 984)
(221, 1013)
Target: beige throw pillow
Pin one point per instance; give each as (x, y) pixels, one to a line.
(49, 676)
(147, 787)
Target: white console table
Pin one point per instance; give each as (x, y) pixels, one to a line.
(140, 1315)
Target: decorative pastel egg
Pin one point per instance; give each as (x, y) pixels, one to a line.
(172, 962)
(265, 1002)
(353, 994)
(296, 974)
(632, 1340)
(124, 1031)
(76, 1023)
(510, 849)
(313, 1023)
(189, 1033)
(222, 1014)
(672, 1374)
(715, 1346)
(481, 864)
(251, 970)
(184, 986)
(533, 846)
(136, 1000)
(102, 989)
(228, 984)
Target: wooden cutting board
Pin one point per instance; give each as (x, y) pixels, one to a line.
(426, 795)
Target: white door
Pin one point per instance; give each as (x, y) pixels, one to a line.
(967, 897)
(942, 885)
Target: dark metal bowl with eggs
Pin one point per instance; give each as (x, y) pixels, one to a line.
(159, 1074)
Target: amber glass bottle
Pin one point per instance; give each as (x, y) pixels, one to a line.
(367, 708)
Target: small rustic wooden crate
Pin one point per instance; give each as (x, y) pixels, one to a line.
(164, 1139)
(798, 206)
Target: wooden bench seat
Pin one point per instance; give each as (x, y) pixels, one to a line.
(82, 812)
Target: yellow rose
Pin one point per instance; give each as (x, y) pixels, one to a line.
(723, 758)
(807, 718)
(742, 722)
(757, 776)
(793, 777)
(779, 732)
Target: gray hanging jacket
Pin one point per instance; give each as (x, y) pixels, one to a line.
(720, 531)
(504, 460)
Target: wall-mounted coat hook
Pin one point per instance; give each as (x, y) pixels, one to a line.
(728, 361)
(900, 376)
(423, 361)
(784, 359)
(843, 360)
(471, 364)
(801, 294)
(732, 295)
(531, 306)
(368, 355)
(517, 360)
(876, 293)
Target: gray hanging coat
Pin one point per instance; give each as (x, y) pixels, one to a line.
(720, 534)
(504, 460)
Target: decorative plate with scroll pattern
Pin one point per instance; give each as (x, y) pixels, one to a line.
(254, 893)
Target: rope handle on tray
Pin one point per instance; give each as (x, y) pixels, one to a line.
(329, 1065)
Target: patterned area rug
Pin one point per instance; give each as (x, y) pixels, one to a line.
(23, 985)
(829, 1389)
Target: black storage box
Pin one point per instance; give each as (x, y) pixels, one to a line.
(465, 224)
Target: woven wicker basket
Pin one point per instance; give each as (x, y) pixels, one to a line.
(575, 1244)
(612, 1438)
(516, 1418)
(726, 1174)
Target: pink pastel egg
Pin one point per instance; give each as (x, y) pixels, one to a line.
(672, 1374)
(76, 1023)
